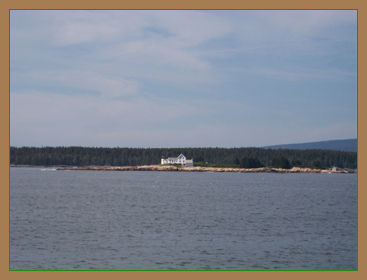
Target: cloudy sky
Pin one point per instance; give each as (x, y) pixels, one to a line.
(182, 78)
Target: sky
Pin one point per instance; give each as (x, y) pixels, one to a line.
(182, 78)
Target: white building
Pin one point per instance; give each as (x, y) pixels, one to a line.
(181, 159)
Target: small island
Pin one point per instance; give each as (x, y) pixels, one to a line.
(207, 169)
(197, 160)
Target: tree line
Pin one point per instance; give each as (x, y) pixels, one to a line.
(85, 156)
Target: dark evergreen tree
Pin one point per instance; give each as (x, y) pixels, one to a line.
(236, 161)
(317, 163)
(199, 158)
(250, 163)
(281, 162)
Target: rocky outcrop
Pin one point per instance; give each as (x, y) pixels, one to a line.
(201, 169)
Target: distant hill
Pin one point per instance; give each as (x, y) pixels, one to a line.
(347, 145)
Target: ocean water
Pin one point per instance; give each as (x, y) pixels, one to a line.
(130, 220)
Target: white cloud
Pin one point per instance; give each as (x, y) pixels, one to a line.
(84, 27)
(290, 25)
(166, 63)
(297, 74)
(160, 54)
(91, 81)
(51, 115)
(108, 50)
(191, 28)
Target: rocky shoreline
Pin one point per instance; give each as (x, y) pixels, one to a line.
(204, 169)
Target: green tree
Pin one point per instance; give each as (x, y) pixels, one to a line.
(296, 162)
(199, 158)
(317, 163)
(236, 161)
(251, 162)
(281, 162)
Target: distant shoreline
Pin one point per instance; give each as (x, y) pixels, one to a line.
(194, 169)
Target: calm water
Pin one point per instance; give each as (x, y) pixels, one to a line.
(109, 220)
